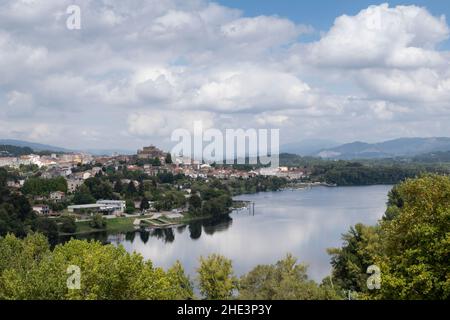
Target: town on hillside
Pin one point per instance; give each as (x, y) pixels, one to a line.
(148, 185)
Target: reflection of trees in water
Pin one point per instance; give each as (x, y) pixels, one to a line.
(144, 235)
(217, 224)
(129, 236)
(195, 229)
(165, 234)
(181, 229)
(98, 236)
(210, 226)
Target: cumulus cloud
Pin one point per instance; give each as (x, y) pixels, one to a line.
(139, 69)
(381, 36)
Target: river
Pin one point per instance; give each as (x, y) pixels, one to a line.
(304, 222)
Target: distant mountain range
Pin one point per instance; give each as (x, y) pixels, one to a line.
(33, 145)
(308, 147)
(45, 147)
(403, 147)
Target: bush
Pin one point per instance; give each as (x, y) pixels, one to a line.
(67, 224)
(98, 222)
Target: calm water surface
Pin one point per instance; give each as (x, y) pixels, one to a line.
(302, 222)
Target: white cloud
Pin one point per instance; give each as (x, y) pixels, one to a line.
(381, 36)
(139, 69)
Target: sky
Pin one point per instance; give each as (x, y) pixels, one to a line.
(137, 70)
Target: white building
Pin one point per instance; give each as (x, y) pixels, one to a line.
(105, 206)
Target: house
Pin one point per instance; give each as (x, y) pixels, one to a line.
(14, 184)
(42, 209)
(96, 170)
(57, 196)
(73, 184)
(114, 205)
(86, 175)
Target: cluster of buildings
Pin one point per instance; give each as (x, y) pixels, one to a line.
(55, 160)
(68, 166)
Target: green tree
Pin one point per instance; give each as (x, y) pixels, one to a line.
(48, 227)
(131, 189)
(168, 159)
(350, 263)
(67, 224)
(195, 203)
(83, 195)
(216, 277)
(30, 270)
(286, 280)
(39, 186)
(118, 187)
(98, 221)
(181, 285)
(144, 204)
(129, 206)
(415, 261)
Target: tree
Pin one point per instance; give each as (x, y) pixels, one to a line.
(410, 245)
(286, 280)
(98, 222)
(144, 204)
(181, 285)
(415, 261)
(156, 162)
(39, 186)
(141, 188)
(83, 195)
(350, 262)
(67, 224)
(118, 187)
(168, 159)
(99, 188)
(131, 189)
(216, 277)
(30, 270)
(195, 203)
(129, 206)
(47, 227)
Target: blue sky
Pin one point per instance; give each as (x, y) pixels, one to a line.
(321, 13)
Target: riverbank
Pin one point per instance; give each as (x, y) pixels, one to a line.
(156, 220)
(127, 224)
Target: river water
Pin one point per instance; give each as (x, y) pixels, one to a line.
(304, 222)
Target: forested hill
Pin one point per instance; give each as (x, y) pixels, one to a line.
(14, 151)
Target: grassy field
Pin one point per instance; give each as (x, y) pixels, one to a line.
(116, 224)
(124, 224)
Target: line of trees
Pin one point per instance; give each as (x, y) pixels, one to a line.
(36, 186)
(29, 269)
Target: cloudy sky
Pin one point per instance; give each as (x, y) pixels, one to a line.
(137, 70)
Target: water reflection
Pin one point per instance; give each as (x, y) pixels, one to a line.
(302, 222)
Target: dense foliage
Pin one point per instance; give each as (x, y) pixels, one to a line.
(16, 215)
(286, 280)
(30, 270)
(39, 186)
(410, 245)
(14, 151)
